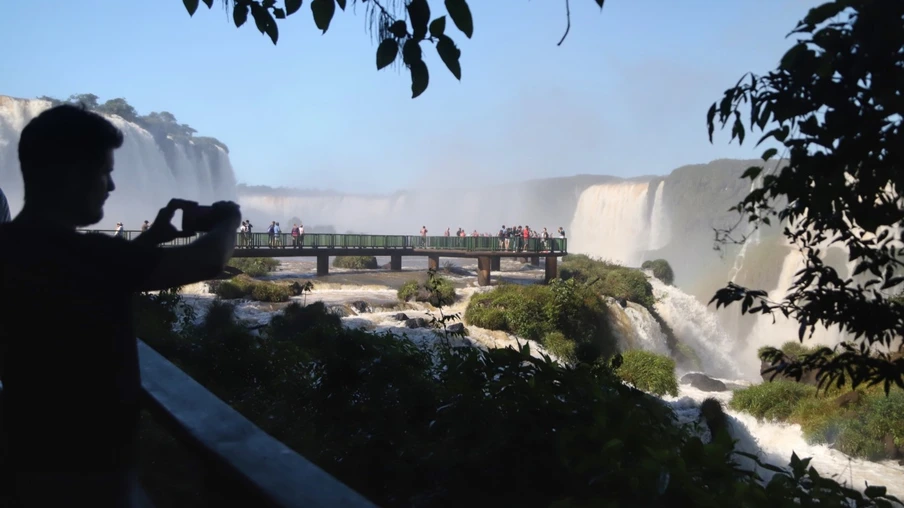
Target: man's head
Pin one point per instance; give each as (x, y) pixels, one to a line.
(66, 155)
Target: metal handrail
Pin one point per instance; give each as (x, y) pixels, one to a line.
(383, 242)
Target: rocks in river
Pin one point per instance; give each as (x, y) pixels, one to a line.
(359, 306)
(714, 415)
(703, 382)
(416, 323)
(623, 302)
(456, 328)
(401, 316)
(340, 310)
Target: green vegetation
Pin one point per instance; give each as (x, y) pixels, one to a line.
(246, 287)
(863, 423)
(348, 399)
(254, 267)
(661, 269)
(356, 262)
(437, 291)
(568, 318)
(833, 108)
(608, 279)
(400, 27)
(648, 372)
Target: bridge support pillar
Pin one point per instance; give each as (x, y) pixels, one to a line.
(323, 265)
(484, 264)
(433, 262)
(552, 268)
(535, 260)
(395, 262)
(495, 263)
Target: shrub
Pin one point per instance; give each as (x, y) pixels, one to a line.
(437, 291)
(609, 279)
(561, 347)
(661, 270)
(537, 312)
(246, 287)
(775, 400)
(254, 267)
(649, 372)
(356, 262)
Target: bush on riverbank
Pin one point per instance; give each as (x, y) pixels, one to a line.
(862, 423)
(648, 372)
(547, 314)
(436, 290)
(609, 279)
(355, 262)
(246, 287)
(347, 399)
(661, 269)
(254, 267)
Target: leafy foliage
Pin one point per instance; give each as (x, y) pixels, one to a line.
(436, 290)
(246, 287)
(648, 371)
(834, 106)
(551, 314)
(861, 423)
(608, 279)
(254, 267)
(399, 26)
(661, 269)
(356, 262)
(435, 419)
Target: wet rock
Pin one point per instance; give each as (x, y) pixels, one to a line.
(456, 328)
(341, 310)
(849, 399)
(401, 316)
(359, 306)
(891, 450)
(295, 289)
(416, 323)
(714, 415)
(623, 302)
(703, 382)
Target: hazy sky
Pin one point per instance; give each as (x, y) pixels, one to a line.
(626, 94)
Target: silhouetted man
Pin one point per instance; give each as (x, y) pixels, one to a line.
(68, 357)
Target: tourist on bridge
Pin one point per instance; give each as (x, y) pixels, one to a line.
(4, 208)
(71, 384)
(277, 234)
(145, 226)
(271, 231)
(423, 236)
(119, 231)
(295, 236)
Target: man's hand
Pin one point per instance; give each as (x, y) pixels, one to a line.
(162, 230)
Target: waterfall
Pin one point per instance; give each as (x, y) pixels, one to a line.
(144, 178)
(612, 222)
(636, 328)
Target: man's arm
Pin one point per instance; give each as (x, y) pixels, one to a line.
(201, 260)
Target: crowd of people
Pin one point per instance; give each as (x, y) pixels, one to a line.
(515, 238)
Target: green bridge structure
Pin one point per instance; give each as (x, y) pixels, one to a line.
(488, 250)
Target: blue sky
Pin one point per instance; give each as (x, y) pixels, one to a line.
(626, 94)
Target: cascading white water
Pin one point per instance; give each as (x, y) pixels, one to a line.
(144, 180)
(694, 325)
(611, 222)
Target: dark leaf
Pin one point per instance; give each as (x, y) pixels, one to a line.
(450, 55)
(420, 78)
(600, 3)
(438, 26)
(240, 14)
(208, 3)
(191, 6)
(770, 153)
(823, 12)
(270, 28)
(399, 29)
(791, 57)
(461, 16)
(710, 116)
(279, 13)
(418, 16)
(292, 6)
(752, 172)
(341, 4)
(323, 11)
(411, 52)
(387, 52)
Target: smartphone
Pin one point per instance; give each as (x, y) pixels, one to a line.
(198, 219)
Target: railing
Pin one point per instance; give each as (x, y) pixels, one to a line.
(269, 470)
(412, 242)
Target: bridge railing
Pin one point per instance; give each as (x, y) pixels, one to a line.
(350, 241)
(267, 470)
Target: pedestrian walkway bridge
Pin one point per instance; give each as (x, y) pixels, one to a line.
(487, 250)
